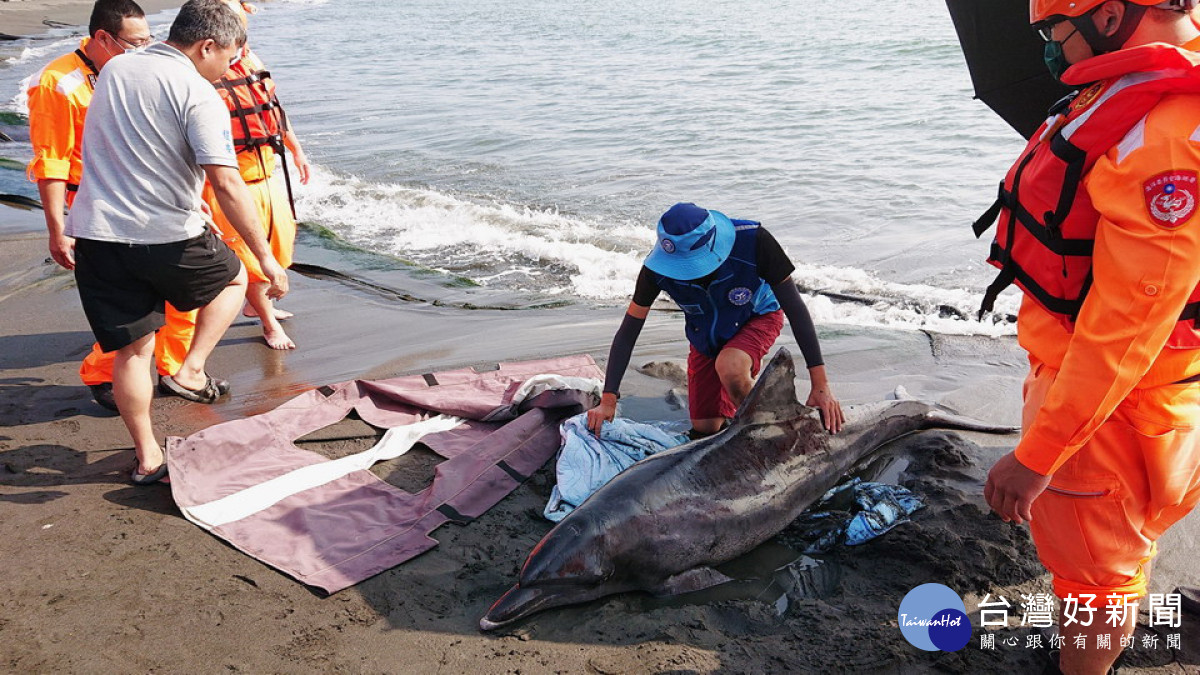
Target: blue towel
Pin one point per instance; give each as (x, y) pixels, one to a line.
(873, 508)
(586, 463)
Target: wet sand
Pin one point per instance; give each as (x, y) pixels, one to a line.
(27, 18)
(106, 577)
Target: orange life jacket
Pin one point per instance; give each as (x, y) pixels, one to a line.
(257, 120)
(1047, 224)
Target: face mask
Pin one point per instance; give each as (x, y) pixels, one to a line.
(1055, 60)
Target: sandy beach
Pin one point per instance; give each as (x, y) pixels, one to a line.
(106, 577)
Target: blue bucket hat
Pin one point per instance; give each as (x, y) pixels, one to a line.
(692, 242)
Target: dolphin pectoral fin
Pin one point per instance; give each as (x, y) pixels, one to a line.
(695, 579)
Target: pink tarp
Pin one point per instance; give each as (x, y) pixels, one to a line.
(340, 532)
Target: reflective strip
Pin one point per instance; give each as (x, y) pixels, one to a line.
(1195, 135)
(71, 81)
(739, 228)
(1120, 85)
(256, 498)
(1133, 140)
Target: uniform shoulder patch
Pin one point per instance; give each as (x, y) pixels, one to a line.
(1171, 197)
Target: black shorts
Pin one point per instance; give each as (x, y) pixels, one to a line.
(123, 286)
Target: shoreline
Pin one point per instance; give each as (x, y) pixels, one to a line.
(27, 18)
(63, 466)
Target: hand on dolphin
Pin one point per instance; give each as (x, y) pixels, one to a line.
(821, 397)
(832, 417)
(1011, 488)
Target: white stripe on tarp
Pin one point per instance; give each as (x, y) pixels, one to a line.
(256, 498)
(542, 383)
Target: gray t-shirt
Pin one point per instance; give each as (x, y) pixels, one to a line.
(151, 124)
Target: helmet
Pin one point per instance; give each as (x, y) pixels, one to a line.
(1040, 10)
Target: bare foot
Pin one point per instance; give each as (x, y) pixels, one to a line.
(280, 314)
(277, 339)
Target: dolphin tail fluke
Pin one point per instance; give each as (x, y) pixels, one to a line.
(941, 419)
(695, 579)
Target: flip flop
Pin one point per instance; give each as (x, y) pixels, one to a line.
(209, 393)
(223, 386)
(149, 478)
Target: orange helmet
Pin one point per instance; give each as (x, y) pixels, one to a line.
(1040, 10)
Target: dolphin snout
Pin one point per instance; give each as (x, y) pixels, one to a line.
(517, 603)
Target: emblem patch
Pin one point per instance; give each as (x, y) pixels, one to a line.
(1171, 198)
(668, 245)
(740, 295)
(1087, 97)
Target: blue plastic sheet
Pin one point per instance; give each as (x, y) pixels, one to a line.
(854, 513)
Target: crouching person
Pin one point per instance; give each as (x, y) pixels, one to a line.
(733, 281)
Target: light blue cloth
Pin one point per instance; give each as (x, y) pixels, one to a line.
(874, 508)
(586, 463)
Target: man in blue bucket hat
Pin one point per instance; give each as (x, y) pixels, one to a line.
(734, 283)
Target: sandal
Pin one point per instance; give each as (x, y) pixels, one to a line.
(209, 393)
(149, 478)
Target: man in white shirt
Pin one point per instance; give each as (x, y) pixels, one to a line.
(156, 129)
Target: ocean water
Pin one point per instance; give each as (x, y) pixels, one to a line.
(531, 146)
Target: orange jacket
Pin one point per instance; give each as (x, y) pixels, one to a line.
(58, 100)
(1144, 270)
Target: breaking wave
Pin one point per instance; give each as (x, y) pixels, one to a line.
(547, 251)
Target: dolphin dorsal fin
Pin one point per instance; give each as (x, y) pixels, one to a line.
(774, 394)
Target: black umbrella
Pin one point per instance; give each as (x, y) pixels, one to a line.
(1004, 56)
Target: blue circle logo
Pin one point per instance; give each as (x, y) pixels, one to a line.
(668, 245)
(740, 295)
(932, 617)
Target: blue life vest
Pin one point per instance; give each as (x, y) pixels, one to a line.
(736, 294)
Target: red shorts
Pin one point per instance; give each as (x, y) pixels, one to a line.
(707, 399)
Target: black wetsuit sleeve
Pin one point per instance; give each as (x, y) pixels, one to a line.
(646, 291)
(773, 264)
(621, 351)
(802, 325)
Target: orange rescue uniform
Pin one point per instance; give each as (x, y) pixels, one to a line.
(1107, 411)
(58, 101)
(256, 163)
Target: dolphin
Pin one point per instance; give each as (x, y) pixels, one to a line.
(661, 525)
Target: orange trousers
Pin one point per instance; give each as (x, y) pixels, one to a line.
(274, 213)
(171, 346)
(1095, 527)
